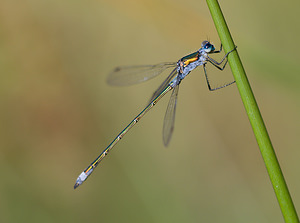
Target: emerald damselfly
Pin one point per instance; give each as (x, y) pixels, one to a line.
(135, 74)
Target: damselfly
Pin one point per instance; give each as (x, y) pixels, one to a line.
(135, 74)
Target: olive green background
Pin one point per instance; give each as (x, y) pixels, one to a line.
(57, 112)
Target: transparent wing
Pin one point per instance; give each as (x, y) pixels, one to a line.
(164, 84)
(128, 75)
(170, 117)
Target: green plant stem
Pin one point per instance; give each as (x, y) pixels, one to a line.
(258, 126)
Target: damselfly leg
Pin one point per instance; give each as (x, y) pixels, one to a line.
(216, 64)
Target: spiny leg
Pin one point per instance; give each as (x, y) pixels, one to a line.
(207, 81)
(217, 66)
(218, 51)
(215, 63)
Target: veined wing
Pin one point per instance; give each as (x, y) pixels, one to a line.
(164, 84)
(170, 117)
(127, 75)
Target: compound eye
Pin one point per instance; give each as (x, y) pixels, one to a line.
(204, 43)
(207, 46)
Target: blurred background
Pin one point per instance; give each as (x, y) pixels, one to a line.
(57, 112)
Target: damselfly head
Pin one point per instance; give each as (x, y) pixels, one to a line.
(207, 46)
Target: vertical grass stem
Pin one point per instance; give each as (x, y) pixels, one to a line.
(257, 123)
